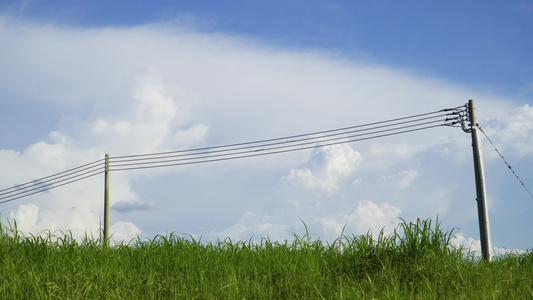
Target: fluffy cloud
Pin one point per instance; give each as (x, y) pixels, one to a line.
(367, 217)
(326, 167)
(513, 132)
(152, 122)
(254, 226)
(124, 232)
(26, 217)
(160, 87)
(402, 179)
(473, 246)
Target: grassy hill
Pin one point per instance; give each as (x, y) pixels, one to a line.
(416, 262)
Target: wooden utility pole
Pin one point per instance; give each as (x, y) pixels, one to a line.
(481, 199)
(106, 201)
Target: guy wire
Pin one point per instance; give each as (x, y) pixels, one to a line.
(506, 163)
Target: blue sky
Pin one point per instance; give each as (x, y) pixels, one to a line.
(85, 78)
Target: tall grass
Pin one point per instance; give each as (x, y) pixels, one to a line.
(415, 262)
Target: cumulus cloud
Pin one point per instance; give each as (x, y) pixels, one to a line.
(401, 179)
(367, 217)
(153, 122)
(123, 232)
(513, 132)
(25, 217)
(473, 246)
(160, 87)
(254, 226)
(327, 165)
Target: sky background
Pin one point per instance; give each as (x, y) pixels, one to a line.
(80, 79)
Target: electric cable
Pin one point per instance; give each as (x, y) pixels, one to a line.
(287, 137)
(265, 153)
(174, 158)
(46, 186)
(7, 199)
(290, 146)
(59, 179)
(263, 143)
(238, 150)
(53, 176)
(279, 141)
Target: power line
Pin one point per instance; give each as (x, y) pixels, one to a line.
(271, 146)
(252, 154)
(279, 141)
(293, 136)
(52, 181)
(506, 163)
(238, 150)
(56, 175)
(6, 199)
(280, 145)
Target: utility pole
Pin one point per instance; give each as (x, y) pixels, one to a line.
(481, 199)
(106, 201)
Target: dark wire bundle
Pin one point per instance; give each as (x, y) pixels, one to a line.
(445, 117)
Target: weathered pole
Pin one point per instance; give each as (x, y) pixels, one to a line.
(106, 201)
(481, 198)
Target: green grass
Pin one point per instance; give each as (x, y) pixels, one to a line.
(416, 262)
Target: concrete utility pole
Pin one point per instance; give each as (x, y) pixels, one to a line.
(106, 201)
(483, 215)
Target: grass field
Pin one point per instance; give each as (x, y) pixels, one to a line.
(416, 262)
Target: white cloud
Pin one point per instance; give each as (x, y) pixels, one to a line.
(473, 246)
(158, 87)
(25, 217)
(124, 232)
(512, 133)
(152, 124)
(401, 179)
(398, 151)
(255, 227)
(368, 216)
(327, 165)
